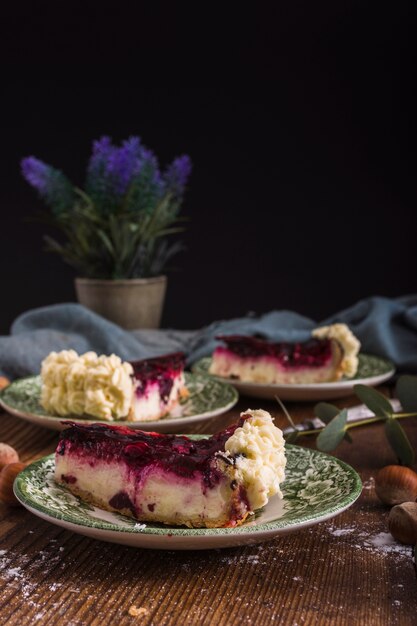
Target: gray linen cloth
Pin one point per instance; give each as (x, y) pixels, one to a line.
(386, 327)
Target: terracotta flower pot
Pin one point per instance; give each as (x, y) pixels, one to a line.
(132, 303)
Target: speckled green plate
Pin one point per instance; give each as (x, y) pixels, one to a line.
(207, 398)
(317, 487)
(372, 371)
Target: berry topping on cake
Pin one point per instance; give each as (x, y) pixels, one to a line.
(159, 386)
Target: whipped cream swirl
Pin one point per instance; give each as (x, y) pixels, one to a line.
(348, 342)
(87, 384)
(258, 448)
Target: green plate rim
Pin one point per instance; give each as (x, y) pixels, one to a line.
(201, 367)
(305, 519)
(227, 387)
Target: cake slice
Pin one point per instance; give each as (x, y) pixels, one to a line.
(330, 354)
(172, 479)
(107, 388)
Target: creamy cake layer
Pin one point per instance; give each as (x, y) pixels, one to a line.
(158, 495)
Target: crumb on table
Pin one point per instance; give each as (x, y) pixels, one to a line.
(134, 611)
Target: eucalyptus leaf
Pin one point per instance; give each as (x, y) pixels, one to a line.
(399, 441)
(374, 400)
(333, 433)
(325, 411)
(406, 391)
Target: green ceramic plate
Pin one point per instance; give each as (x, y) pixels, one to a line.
(317, 487)
(372, 370)
(207, 398)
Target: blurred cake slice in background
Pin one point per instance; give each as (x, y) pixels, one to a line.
(105, 387)
(330, 354)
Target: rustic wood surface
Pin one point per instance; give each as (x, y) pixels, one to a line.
(344, 571)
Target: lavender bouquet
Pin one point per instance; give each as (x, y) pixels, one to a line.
(117, 226)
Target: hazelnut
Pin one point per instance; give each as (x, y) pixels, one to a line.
(4, 382)
(7, 476)
(7, 455)
(395, 484)
(402, 522)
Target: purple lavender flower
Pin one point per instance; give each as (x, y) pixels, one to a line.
(149, 165)
(147, 187)
(125, 182)
(36, 173)
(177, 174)
(53, 187)
(95, 182)
(112, 170)
(102, 149)
(124, 164)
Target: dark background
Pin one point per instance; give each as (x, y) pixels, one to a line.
(303, 190)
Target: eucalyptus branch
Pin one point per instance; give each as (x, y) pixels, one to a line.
(349, 425)
(337, 427)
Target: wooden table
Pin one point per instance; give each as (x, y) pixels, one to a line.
(343, 571)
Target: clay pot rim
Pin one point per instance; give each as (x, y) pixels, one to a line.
(121, 282)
